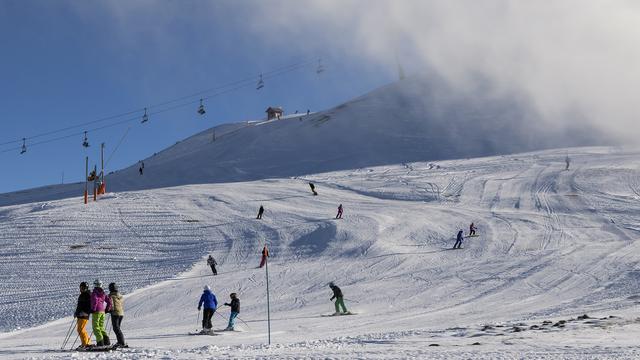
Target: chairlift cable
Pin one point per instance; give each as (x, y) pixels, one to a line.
(278, 71)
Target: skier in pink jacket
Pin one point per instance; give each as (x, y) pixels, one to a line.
(100, 303)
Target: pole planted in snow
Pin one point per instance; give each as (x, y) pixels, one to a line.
(266, 266)
(102, 185)
(86, 179)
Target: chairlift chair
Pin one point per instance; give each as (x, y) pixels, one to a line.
(260, 83)
(145, 117)
(201, 110)
(320, 68)
(24, 146)
(85, 143)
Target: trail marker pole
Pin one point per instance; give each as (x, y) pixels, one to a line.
(103, 186)
(268, 300)
(86, 179)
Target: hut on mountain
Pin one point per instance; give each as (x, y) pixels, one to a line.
(274, 112)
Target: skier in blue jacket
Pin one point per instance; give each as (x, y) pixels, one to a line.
(208, 299)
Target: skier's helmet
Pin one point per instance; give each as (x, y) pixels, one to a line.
(113, 287)
(233, 295)
(83, 285)
(331, 284)
(97, 283)
(207, 288)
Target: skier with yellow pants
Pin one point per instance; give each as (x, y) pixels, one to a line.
(83, 310)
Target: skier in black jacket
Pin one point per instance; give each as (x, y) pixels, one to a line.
(337, 294)
(83, 310)
(212, 263)
(459, 239)
(235, 310)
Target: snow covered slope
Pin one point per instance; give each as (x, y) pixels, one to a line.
(417, 119)
(553, 244)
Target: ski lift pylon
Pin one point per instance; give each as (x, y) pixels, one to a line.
(85, 143)
(201, 110)
(260, 84)
(145, 117)
(24, 146)
(320, 68)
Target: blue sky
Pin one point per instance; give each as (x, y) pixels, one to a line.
(65, 63)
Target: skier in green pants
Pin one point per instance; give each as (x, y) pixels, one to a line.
(100, 304)
(337, 294)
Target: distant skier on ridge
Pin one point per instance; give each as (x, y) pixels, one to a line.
(313, 188)
(260, 212)
(339, 214)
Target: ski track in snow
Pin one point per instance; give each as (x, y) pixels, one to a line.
(552, 243)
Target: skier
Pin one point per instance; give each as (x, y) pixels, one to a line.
(337, 294)
(568, 161)
(265, 255)
(212, 262)
(260, 212)
(472, 229)
(96, 185)
(459, 239)
(235, 310)
(141, 169)
(83, 309)
(117, 313)
(208, 299)
(100, 303)
(339, 215)
(313, 188)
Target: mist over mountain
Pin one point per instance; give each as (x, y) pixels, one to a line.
(414, 119)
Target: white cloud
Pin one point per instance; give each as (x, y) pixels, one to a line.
(576, 60)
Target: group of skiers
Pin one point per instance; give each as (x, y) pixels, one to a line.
(209, 304)
(97, 304)
(338, 215)
(460, 236)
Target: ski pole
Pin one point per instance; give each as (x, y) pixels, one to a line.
(222, 316)
(77, 337)
(247, 325)
(68, 335)
(74, 341)
(355, 301)
(109, 326)
(198, 320)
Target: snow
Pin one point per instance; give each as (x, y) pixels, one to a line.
(416, 119)
(553, 245)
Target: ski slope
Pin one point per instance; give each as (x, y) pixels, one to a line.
(553, 245)
(416, 119)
